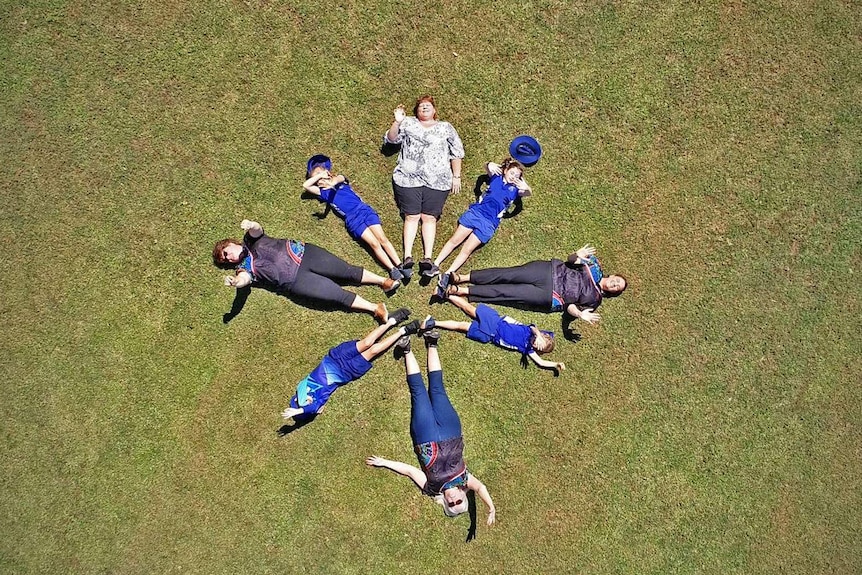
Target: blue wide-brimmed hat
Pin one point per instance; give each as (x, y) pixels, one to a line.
(525, 149)
(318, 160)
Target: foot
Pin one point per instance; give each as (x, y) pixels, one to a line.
(411, 328)
(389, 285)
(399, 315)
(425, 266)
(406, 268)
(432, 338)
(440, 293)
(381, 314)
(396, 274)
(402, 346)
(444, 281)
(428, 324)
(455, 278)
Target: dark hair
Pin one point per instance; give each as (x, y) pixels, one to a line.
(218, 249)
(425, 98)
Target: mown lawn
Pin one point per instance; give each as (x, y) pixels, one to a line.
(709, 424)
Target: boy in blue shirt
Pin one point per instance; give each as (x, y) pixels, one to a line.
(360, 219)
(344, 363)
(488, 326)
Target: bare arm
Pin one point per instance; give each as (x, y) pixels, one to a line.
(556, 366)
(456, 175)
(240, 280)
(310, 185)
(252, 228)
(482, 491)
(410, 471)
(392, 133)
(588, 315)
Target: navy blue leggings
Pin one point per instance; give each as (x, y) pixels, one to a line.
(432, 417)
(318, 274)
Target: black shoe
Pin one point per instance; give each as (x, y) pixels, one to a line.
(444, 281)
(396, 274)
(432, 338)
(399, 315)
(425, 266)
(402, 346)
(411, 328)
(440, 293)
(406, 268)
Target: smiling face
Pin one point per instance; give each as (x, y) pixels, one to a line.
(613, 284)
(425, 109)
(512, 174)
(455, 501)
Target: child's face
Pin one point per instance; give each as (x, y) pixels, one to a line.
(541, 343)
(319, 170)
(512, 175)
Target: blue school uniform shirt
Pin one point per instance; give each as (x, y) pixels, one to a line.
(342, 198)
(494, 202)
(513, 335)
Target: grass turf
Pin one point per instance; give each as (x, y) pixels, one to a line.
(708, 425)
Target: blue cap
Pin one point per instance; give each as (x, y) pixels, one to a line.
(525, 149)
(318, 160)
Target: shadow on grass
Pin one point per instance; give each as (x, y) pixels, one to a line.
(566, 322)
(297, 424)
(242, 294)
(471, 510)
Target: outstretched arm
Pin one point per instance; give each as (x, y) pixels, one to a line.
(482, 491)
(582, 254)
(252, 228)
(310, 185)
(544, 364)
(588, 315)
(413, 473)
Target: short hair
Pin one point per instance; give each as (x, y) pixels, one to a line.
(218, 249)
(549, 337)
(425, 98)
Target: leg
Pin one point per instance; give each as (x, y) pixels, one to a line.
(372, 278)
(447, 418)
(382, 345)
(533, 273)
(470, 246)
(387, 246)
(322, 262)
(461, 234)
(369, 340)
(429, 233)
(463, 305)
(315, 286)
(452, 325)
(411, 228)
(370, 238)
(423, 426)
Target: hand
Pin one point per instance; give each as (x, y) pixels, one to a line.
(492, 516)
(456, 185)
(246, 225)
(589, 316)
(230, 281)
(290, 412)
(375, 461)
(560, 366)
(399, 113)
(586, 252)
(494, 169)
(522, 185)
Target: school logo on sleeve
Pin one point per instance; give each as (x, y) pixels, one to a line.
(296, 249)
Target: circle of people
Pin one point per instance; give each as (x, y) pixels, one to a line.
(428, 169)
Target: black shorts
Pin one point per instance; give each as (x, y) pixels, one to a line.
(421, 200)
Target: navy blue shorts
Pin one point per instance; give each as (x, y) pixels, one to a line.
(484, 327)
(481, 226)
(360, 220)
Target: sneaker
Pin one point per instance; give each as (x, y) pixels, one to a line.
(444, 281)
(411, 328)
(381, 314)
(399, 315)
(441, 293)
(406, 268)
(428, 324)
(396, 274)
(432, 338)
(390, 285)
(402, 346)
(425, 265)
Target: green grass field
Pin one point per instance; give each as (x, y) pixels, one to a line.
(711, 151)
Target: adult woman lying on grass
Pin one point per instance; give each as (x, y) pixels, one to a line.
(342, 364)
(477, 225)
(429, 167)
(296, 267)
(576, 286)
(435, 430)
(360, 219)
(488, 326)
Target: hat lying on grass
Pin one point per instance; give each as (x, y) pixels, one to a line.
(525, 149)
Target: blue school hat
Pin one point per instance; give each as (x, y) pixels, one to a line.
(318, 160)
(525, 149)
